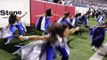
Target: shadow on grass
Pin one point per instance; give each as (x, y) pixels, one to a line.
(33, 31)
(9, 47)
(17, 58)
(68, 42)
(105, 56)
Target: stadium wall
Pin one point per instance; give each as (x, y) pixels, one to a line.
(38, 8)
(33, 8)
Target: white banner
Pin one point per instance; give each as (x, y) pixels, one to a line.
(19, 8)
(81, 10)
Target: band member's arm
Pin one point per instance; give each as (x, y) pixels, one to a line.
(103, 26)
(71, 31)
(19, 17)
(40, 15)
(35, 37)
(45, 14)
(55, 14)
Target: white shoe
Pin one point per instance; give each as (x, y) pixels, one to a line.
(43, 33)
(18, 46)
(94, 48)
(8, 41)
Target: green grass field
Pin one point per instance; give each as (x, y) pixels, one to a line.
(80, 48)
